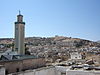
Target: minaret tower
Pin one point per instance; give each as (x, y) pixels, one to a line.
(19, 35)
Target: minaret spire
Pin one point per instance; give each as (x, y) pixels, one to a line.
(19, 17)
(19, 12)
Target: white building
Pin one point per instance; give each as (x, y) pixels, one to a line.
(8, 52)
(82, 72)
(2, 70)
(84, 69)
(41, 71)
(76, 55)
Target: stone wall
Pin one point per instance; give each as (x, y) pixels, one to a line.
(22, 65)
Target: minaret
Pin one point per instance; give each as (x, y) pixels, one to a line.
(19, 35)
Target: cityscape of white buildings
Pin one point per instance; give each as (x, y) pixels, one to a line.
(60, 56)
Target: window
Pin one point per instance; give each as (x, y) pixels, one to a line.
(76, 57)
(17, 69)
(6, 72)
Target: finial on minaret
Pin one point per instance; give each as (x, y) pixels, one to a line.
(19, 12)
(19, 17)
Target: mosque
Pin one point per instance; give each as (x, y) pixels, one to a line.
(16, 60)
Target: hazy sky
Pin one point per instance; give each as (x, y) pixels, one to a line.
(45, 18)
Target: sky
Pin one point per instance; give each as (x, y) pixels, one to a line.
(47, 18)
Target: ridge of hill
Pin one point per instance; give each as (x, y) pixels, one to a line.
(57, 40)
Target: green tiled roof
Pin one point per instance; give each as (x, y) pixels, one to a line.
(16, 57)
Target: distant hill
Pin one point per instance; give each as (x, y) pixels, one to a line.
(98, 41)
(59, 41)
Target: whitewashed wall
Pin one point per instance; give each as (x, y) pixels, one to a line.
(42, 71)
(2, 71)
(83, 73)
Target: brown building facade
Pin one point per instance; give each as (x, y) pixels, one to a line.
(13, 66)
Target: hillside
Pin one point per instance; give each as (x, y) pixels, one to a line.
(53, 47)
(60, 41)
(57, 40)
(98, 41)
